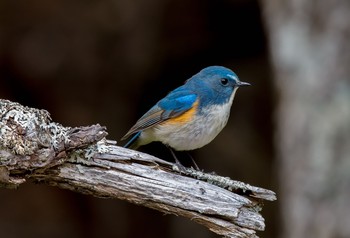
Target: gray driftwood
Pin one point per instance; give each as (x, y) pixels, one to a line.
(81, 159)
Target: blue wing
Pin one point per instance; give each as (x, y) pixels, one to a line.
(174, 104)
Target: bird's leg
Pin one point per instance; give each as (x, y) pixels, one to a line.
(193, 162)
(177, 162)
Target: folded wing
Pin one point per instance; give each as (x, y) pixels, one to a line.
(173, 105)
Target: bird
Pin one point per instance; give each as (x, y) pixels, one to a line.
(190, 116)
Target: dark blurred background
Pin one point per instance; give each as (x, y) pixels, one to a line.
(108, 62)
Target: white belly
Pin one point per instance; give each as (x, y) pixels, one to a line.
(192, 135)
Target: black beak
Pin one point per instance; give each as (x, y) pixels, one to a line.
(242, 84)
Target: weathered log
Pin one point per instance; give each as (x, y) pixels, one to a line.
(32, 147)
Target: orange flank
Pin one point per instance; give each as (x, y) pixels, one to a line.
(185, 117)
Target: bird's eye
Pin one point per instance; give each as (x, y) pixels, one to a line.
(224, 81)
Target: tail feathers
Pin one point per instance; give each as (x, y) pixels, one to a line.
(133, 142)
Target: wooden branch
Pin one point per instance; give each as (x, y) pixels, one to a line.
(81, 159)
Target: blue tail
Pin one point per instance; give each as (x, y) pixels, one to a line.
(132, 143)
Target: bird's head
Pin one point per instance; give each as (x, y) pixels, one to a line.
(215, 84)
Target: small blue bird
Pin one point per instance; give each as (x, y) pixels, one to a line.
(190, 116)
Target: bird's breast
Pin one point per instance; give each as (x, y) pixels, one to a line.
(193, 129)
